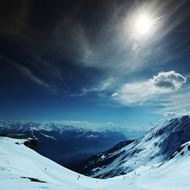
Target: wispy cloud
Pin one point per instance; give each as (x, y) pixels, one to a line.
(177, 104)
(99, 89)
(33, 77)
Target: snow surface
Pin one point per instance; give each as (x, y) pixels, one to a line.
(18, 161)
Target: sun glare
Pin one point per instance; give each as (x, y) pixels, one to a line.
(143, 24)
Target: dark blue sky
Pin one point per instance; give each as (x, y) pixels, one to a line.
(85, 60)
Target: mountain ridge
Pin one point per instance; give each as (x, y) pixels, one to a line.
(157, 146)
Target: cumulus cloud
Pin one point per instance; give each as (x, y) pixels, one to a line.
(169, 81)
(140, 92)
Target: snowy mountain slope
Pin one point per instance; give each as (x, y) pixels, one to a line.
(65, 144)
(18, 163)
(105, 158)
(157, 146)
(172, 174)
(22, 168)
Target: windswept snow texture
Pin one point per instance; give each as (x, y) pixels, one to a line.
(158, 145)
(22, 168)
(65, 144)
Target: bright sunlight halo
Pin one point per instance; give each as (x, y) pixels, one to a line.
(143, 24)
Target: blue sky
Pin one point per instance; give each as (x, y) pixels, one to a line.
(98, 61)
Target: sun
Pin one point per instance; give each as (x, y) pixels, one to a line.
(143, 24)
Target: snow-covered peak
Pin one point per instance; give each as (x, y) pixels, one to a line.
(157, 146)
(169, 136)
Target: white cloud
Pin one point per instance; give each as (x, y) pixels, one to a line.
(140, 92)
(169, 81)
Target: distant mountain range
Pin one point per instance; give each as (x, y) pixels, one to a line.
(67, 145)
